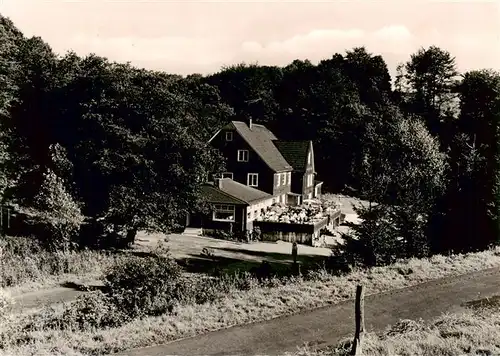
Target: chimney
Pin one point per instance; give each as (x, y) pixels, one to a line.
(250, 123)
(218, 183)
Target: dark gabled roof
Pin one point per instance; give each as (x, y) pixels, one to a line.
(214, 195)
(262, 130)
(260, 139)
(232, 192)
(242, 192)
(295, 152)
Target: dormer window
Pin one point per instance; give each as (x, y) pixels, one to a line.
(229, 136)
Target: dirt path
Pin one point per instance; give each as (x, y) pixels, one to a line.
(45, 297)
(328, 325)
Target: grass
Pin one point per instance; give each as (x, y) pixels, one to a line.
(236, 307)
(474, 332)
(25, 266)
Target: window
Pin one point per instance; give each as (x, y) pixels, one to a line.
(278, 180)
(289, 178)
(223, 213)
(310, 180)
(253, 179)
(242, 155)
(229, 136)
(309, 158)
(284, 178)
(227, 175)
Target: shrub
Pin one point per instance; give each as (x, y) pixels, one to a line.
(6, 301)
(55, 211)
(145, 285)
(25, 259)
(218, 234)
(94, 310)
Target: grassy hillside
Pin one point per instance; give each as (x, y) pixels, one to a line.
(240, 300)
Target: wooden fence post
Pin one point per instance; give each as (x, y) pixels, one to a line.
(295, 265)
(294, 252)
(360, 322)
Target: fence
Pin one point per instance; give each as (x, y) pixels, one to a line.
(307, 233)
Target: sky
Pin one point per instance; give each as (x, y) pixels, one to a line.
(187, 37)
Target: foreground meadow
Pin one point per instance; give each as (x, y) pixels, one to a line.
(152, 300)
(474, 332)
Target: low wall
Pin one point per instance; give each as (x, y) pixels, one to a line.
(308, 234)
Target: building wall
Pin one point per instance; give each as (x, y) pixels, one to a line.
(318, 192)
(206, 221)
(282, 190)
(255, 210)
(306, 188)
(240, 170)
(301, 233)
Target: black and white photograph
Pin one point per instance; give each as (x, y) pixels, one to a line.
(299, 178)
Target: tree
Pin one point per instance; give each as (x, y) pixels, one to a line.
(28, 124)
(10, 42)
(427, 86)
(138, 155)
(371, 76)
(206, 105)
(249, 90)
(403, 174)
(471, 203)
(56, 212)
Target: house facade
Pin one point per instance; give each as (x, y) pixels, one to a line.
(234, 206)
(253, 159)
(260, 171)
(300, 154)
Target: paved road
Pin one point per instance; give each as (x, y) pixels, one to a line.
(328, 325)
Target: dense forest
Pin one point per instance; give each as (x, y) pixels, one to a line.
(94, 151)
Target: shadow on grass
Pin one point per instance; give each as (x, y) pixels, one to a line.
(83, 287)
(275, 256)
(485, 303)
(277, 264)
(225, 265)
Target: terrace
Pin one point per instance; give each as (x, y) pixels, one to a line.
(301, 224)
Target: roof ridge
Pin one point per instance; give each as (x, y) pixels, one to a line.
(258, 138)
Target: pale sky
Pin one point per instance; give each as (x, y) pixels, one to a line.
(186, 37)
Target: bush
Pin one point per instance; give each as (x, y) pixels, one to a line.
(56, 212)
(94, 310)
(25, 259)
(145, 286)
(218, 234)
(6, 301)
